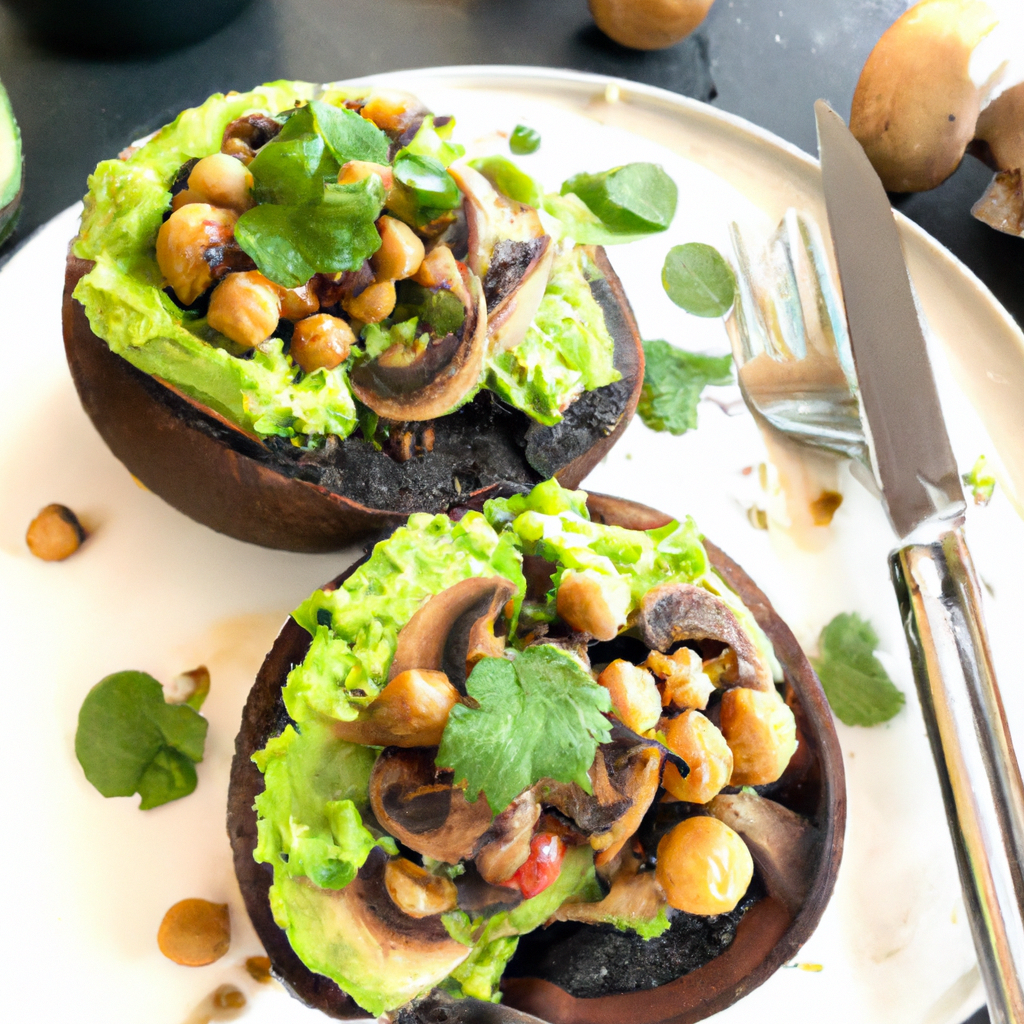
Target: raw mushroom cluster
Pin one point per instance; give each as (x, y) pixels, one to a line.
(940, 82)
(497, 289)
(699, 715)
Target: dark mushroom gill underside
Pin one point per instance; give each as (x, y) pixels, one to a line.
(697, 968)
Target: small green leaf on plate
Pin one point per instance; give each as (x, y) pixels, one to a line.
(981, 481)
(698, 279)
(524, 140)
(858, 688)
(636, 198)
(130, 740)
(673, 382)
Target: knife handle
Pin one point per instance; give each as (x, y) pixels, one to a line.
(940, 602)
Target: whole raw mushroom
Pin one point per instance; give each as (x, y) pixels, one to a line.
(648, 24)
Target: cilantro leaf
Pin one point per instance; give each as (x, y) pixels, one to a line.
(858, 688)
(637, 198)
(673, 382)
(129, 740)
(540, 716)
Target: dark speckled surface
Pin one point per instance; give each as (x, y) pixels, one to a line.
(766, 61)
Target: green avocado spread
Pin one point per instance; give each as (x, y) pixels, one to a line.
(305, 222)
(316, 828)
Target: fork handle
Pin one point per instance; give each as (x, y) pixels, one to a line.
(940, 602)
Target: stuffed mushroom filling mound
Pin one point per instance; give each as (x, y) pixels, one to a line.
(515, 718)
(313, 264)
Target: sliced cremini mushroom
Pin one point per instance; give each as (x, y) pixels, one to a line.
(415, 801)
(782, 843)
(426, 383)
(673, 612)
(411, 711)
(636, 776)
(400, 955)
(455, 628)
(634, 896)
(416, 891)
(506, 845)
(510, 252)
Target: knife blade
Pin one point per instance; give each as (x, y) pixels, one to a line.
(933, 575)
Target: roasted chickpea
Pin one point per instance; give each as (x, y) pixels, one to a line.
(356, 170)
(635, 698)
(416, 891)
(195, 932)
(238, 149)
(321, 342)
(439, 267)
(184, 197)
(685, 683)
(696, 740)
(181, 242)
(390, 110)
(400, 253)
(592, 603)
(55, 534)
(373, 303)
(300, 302)
(761, 732)
(222, 181)
(245, 307)
(704, 867)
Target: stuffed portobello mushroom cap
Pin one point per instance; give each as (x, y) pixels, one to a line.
(559, 972)
(269, 491)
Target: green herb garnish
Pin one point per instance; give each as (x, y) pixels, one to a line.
(697, 279)
(981, 481)
(129, 740)
(290, 243)
(348, 135)
(634, 199)
(859, 690)
(428, 180)
(673, 382)
(523, 140)
(540, 716)
(510, 180)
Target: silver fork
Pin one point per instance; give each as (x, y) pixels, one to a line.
(791, 346)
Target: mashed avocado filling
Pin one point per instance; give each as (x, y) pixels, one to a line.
(567, 351)
(311, 825)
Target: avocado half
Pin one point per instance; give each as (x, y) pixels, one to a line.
(12, 178)
(769, 934)
(277, 496)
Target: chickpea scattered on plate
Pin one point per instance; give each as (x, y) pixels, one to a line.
(55, 534)
(195, 932)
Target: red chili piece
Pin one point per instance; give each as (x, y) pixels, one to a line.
(541, 868)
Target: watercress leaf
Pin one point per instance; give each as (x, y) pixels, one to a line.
(636, 198)
(348, 135)
(508, 179)
(697, 279)
(438, 310)
(524, 140)
(169, 776)
(426, 177)
(581, 224)
(293, 167)
(673, 382)
(290, 243)
(432, 139)
(540, 716)
(858, 688)
(129, 740)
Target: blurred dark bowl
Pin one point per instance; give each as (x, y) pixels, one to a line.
(120, 27)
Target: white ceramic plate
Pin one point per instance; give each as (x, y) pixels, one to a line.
(88, 879)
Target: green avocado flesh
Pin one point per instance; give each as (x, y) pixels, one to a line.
(10, 167)
(313, 827)
(568, 350)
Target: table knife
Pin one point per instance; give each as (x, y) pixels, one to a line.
(932, 572)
